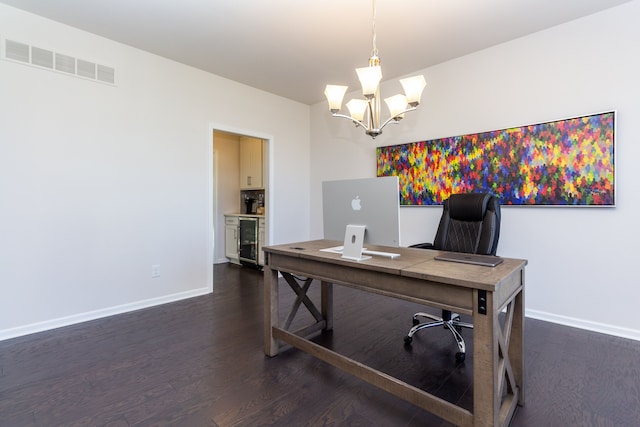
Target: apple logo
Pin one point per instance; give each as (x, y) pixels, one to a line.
(355, 204)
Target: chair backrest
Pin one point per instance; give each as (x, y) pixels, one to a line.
(470, 223)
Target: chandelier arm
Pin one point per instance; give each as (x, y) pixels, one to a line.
(356, 122)
(400, 113)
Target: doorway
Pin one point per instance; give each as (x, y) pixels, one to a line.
(225, 184)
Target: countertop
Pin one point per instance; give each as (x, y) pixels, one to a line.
(249, 215)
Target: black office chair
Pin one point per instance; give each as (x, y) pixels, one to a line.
(470, 223)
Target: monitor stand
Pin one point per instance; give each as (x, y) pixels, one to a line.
(353, 250)
(353, 241)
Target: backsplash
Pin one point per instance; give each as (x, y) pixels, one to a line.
(251, 200)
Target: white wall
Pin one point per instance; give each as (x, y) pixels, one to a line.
(98, 183)
(582, 261)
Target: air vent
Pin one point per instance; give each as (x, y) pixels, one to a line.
(51, 60)
(106, 74)
(65, 63)
(86, 69)
(41, 57)
(17, 51)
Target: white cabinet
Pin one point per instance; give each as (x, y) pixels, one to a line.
(261, 237)
(231, 238)
(251, 161)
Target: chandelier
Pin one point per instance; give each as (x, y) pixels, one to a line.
(366, 112)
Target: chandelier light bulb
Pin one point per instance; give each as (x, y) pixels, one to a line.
(357, 108)
(413, 87)
(369, 79)
(397, 106)
(335, 95)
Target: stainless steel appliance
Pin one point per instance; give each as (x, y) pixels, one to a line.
(249, 205)
(248, 242)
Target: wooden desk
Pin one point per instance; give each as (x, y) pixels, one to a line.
(483, 292)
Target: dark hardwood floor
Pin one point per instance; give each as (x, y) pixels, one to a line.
(200, 362)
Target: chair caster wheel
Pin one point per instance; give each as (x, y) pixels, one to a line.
(415, 321)
(460, 357)
(407, 340)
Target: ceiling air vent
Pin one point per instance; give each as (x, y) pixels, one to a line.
(42, 58)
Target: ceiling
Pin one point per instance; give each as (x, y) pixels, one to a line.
(293, 48)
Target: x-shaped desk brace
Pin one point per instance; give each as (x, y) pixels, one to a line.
(323, 317)
(504, 364)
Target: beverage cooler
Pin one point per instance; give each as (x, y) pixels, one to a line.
(248, 242)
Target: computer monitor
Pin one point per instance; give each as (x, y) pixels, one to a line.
(372, 202)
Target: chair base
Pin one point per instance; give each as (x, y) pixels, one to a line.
(450, 321)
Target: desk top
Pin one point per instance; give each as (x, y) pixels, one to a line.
(412, 262)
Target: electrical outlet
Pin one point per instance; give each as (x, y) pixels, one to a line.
(155, 270)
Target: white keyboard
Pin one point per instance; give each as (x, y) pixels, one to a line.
(365, 251)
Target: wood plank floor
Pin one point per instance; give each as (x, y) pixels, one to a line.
(200, 362)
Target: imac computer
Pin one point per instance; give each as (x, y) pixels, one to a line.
(360, 212)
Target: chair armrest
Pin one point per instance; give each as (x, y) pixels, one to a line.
(422, 246)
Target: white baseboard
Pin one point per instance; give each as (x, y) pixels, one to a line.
(97, 314)
(110, 311)
(585, 324)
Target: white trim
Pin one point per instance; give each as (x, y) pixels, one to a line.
(210, 212)
(98, 314)
(269, 140)
(588, 325)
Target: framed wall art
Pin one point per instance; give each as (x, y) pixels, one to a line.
(566, 162)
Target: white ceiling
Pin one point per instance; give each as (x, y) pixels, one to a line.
(293, 48)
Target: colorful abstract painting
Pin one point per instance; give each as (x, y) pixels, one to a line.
(565, 162)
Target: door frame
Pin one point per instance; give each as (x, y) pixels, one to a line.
(213, 213)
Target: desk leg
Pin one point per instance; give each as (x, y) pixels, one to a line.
(270, 310)
(498, 370)
(516, 349)
(485, 364)
(327, 304)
